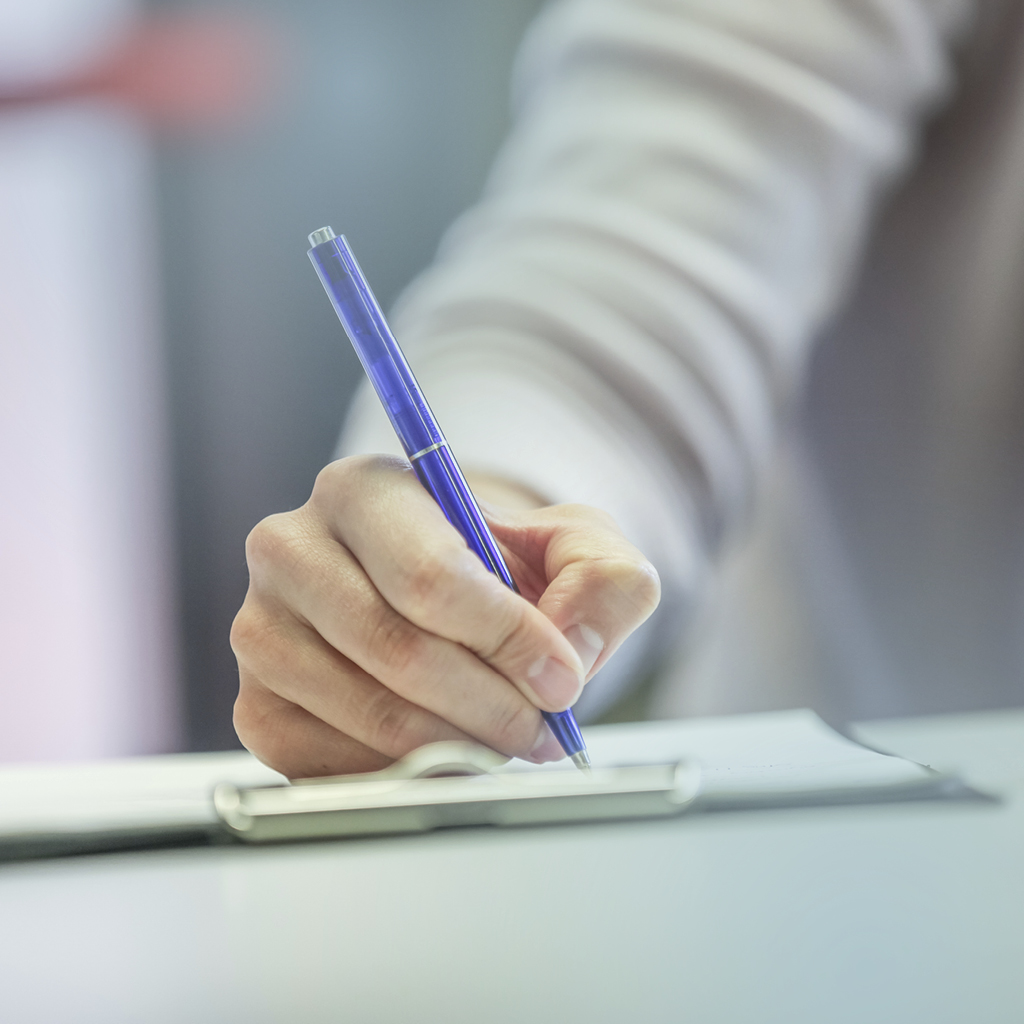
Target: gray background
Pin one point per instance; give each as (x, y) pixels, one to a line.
(384, 122)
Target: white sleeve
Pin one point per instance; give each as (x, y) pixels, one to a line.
(623, 317)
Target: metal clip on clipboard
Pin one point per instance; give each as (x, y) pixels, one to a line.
(448, 784)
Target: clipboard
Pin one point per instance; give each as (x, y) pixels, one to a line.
(449, 784)
(642, 770)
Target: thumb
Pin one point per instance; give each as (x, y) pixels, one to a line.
(600, 587)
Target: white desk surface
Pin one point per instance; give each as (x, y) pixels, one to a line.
(898, 913)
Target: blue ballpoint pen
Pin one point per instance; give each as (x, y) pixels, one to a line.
(421, 437)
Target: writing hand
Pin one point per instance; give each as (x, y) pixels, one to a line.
(369, 628)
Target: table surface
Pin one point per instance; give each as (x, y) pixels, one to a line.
(911, 912)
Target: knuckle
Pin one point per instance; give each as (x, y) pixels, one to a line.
(334, 481)
(266, 742)
(262, 641)
(262, 541)
(249, 631)
(590, 515)
(648, 587)
(515, 726)
(275, 541)
(427, 587)
(511, 634)
(398, 644)
(338, 480)
(636, 579)
(389, 721)
(246, 720)
(254, 727)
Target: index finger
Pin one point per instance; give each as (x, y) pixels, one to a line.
(421, 566)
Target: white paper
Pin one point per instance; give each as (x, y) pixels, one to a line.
(759, 756)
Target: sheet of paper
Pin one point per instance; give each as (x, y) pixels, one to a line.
(747, 757)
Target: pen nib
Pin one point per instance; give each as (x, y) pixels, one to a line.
(582, 760)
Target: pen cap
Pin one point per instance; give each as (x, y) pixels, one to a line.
(371, 337)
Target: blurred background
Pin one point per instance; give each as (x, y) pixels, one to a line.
(170, 371)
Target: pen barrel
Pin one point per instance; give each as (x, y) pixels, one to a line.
(566, 730)
(382, 358)
(440, 474)
(396, 386)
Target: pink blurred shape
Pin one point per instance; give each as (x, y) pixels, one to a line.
(188, 70)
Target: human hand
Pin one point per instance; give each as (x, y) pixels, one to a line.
(369, 627)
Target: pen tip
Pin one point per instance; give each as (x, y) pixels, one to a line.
(582, 760)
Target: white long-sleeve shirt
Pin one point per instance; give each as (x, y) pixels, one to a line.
(626, 320)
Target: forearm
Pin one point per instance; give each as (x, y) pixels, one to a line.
(624, 317)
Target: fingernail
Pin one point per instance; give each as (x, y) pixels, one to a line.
(547, 748)
(554, 682)
(587, 643)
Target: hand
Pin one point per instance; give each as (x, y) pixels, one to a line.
(370, 628)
